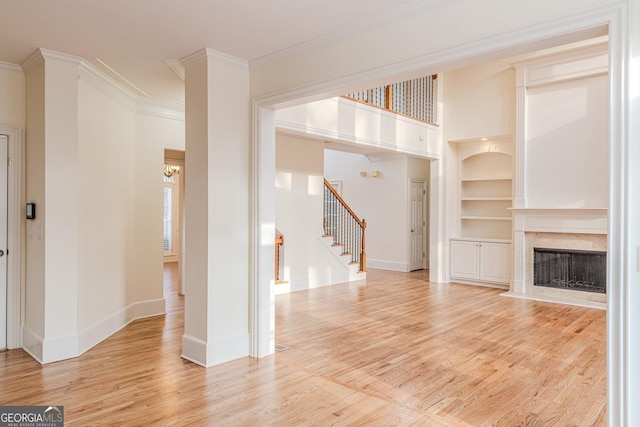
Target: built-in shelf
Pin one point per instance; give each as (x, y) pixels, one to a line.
(488, 218)
(484, 179)
(479, 199)
(486, 189)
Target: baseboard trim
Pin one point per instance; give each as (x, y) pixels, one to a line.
(208, 354)
(586, 304)
(387, 265)
(32, 344)
(48, 350)
(103, 329)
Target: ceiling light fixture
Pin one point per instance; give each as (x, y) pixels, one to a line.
(169, 170)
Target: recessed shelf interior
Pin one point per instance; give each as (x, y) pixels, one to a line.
(486, 191)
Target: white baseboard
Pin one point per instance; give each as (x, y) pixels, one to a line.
(587, 304)
(103, 329)
(47, 350)
(51, 349)
(387, 265)
(208, 354)
(32, 344)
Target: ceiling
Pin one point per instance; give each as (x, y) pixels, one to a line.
(132, 39)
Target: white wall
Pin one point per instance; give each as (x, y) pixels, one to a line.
(105, 214)
(381, 201)
(35, 193)
(567, 146)
(12, 101)
(479, 101)
(299, 214)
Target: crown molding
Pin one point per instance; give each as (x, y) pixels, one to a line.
(8, 66)
(399, 13)
(42, 54)
(176, 67)
(586, 25)
(119, 78)
(160, 108)
(113, 89)
(99, 81)
(32, 61)
(207, 54)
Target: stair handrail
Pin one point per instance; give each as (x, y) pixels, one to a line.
(361, 222)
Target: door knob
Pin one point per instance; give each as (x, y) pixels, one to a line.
(1, 253)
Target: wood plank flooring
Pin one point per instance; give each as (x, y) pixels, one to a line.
(391, 350)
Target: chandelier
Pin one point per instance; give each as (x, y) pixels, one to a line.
(169, 170)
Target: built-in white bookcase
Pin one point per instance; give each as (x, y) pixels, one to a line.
(480, 252)
(486, 189)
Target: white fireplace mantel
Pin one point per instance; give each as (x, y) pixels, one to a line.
(561, 220)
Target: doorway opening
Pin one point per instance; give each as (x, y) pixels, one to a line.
(173, 221)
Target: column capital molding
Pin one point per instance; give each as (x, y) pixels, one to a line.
(207, 54)
(48, 55)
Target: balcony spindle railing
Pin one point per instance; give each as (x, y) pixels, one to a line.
(415, 98)
(344, 226)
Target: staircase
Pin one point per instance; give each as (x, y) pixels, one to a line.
(344, 233)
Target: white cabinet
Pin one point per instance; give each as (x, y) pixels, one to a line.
(481, 261)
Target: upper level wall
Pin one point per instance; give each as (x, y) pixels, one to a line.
(479, 101)
(354, 122)
(422, 39)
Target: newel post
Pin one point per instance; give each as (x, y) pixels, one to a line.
(363, 254)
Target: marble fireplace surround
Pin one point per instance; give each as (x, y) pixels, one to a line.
(581, 229)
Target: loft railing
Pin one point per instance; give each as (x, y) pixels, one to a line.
(415, 98)
(344, 226)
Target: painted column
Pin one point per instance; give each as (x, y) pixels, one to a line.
(217, 168)
(624, 310)
(520, 187)
(51, 321)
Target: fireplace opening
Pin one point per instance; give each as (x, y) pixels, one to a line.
(570, 269)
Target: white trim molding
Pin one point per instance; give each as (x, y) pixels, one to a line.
(15, 236)
(103, 329)
(10, 67)
(56, 349)
(208, 354)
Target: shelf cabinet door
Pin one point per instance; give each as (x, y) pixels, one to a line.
(495, 262)
(464, 260)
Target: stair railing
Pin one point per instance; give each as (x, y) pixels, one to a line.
(344, 226)
(279, 246)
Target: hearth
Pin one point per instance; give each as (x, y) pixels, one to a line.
(576, 270)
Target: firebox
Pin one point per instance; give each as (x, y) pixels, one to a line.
(570, 269)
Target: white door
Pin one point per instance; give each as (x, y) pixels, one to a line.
(418, 224)
(3, 241)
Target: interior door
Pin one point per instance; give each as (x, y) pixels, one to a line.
(3, 241)
(418, 224)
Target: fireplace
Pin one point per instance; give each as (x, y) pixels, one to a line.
(576, 270)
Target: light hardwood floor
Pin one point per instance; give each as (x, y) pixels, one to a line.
(395, 350)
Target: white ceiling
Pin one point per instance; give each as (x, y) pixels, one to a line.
(133, 38)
